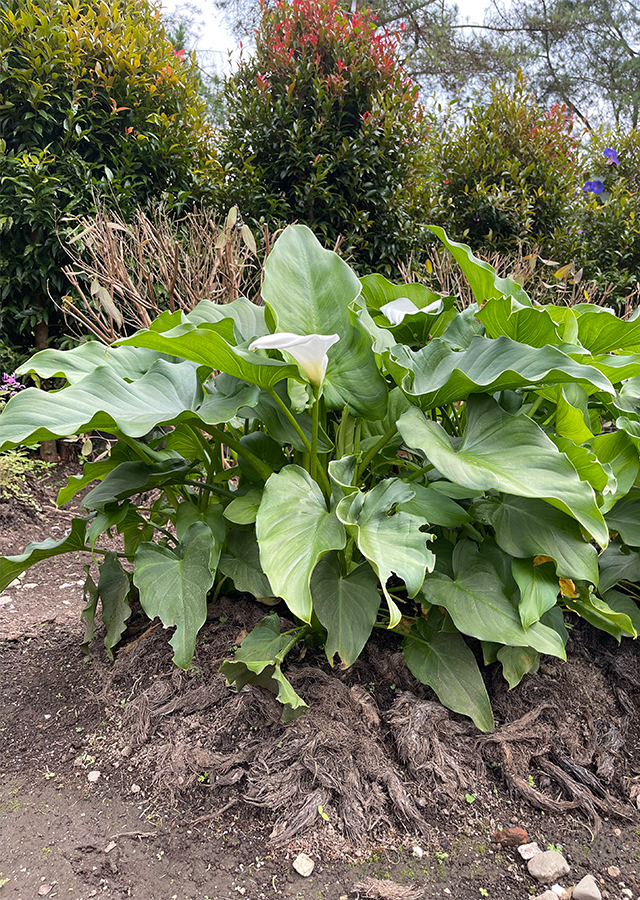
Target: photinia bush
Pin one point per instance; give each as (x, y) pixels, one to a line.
(93, 103)
(368, 456)
(324, 127)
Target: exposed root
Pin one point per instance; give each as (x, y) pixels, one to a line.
(376, 889)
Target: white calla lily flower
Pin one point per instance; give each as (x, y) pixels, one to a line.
(398, 309)
(308, 350)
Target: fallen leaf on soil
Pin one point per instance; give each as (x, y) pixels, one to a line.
(510, 837)
(376, 889)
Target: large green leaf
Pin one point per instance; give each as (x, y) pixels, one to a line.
(378, 291)
(131, 478)
(294, 531)
(76, 364)
(482, 278)
(269, 413)
(440, 375)
(435, 507)
(242, 565)
(517, 662)
(209, 345)
(480, 604)
(174, 584)
(258, 661)
(539, 589)
(625, 518)
(601, 331)
(572, 413)
(103, 401)
(622, 603)
(506, 453)
(91, 471)
(248, 318)
(599, 614)
(525, 324)
(526, 528)
(309, 291)
(12, 566)
(600, 476)
(347, 607)
(391, 540)
(448, 666)
(224, 396)
(113, 589)
(618, 563)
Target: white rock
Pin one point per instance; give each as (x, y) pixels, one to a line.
(587, 889)
(418, 852)
(559, 891)
(528, 851)
(93, 776)
(303, 865)
(626, 892)
(135, 788)
(548, 895)
(548, 866)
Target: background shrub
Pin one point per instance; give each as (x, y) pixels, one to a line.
(324, 127)
(93, 101)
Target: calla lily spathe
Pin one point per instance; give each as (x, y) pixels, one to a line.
(308, 350)
(398, 309)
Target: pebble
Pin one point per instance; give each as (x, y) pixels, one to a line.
(587, 889)
(418, 852)
(303, 865)
(559, 891)
(626, 892)
(93, 776)
(548, 895)
(510, 837)
(613, 871)
(528, 851)
(548, 866)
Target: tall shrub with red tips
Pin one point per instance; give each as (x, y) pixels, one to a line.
(325, 128)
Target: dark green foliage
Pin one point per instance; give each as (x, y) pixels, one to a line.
(324, 128)
(93, 102)
(505, 175)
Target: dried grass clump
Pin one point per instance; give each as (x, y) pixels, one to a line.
(125, 274)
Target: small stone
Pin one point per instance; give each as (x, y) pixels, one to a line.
(559, 891)
(418, 852)
(43, 890)
(135, 788)
(93, 776)
(110, 846)
(548, 895)
(510, 837)
(613, 871)
(547, 866)
(587, 889)
(303, 865)
(528, 851)
(626, 892)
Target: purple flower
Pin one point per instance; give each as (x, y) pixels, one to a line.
(612, 156)
(596, 186)
(11, 384)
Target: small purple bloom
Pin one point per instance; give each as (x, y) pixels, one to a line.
(596, 186)
(612, 156)
(11, 384)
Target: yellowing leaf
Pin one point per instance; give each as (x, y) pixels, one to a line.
(567, 587)
(539, 560)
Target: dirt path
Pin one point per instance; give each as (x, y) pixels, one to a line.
(178, 757)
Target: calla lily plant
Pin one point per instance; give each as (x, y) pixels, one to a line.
(359, 455)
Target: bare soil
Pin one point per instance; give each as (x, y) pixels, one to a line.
(203, 793)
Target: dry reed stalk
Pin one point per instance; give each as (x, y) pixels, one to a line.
(126, 274)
